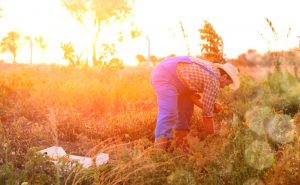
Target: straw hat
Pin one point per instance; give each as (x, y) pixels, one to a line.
(232, 71)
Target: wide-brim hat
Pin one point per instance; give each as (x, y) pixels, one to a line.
(232, 72)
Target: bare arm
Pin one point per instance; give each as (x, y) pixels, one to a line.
(208, 125)
(208, 122)
(196, 100)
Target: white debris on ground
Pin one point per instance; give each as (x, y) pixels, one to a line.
(57, 153)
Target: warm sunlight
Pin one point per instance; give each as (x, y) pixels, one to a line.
(150, 92)
(241, 24)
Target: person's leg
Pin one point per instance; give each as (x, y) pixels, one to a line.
(167, 109)
(181, 129)
(167, 96)
(185, 112)
(167, 114)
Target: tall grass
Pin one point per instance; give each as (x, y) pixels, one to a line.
(88, 111)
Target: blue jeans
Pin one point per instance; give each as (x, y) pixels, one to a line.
(175, 108)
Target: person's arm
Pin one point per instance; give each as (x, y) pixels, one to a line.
(207, 121)
(208, 125)
(209, 96)
(196, 100)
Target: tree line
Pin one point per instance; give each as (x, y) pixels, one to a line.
(102, 12)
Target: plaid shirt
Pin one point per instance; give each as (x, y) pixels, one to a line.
(198, 80)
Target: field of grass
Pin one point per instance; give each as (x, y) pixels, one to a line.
(88, 111)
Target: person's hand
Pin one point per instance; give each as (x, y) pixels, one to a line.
(217, 107)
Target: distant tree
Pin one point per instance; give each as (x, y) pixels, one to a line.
(29, 39)
(69, 52)
(70, 55)
(135, 32)
(10, 43)
(171, 55)
(141, 59)
(41, 43)
(212, 48)
(101, 12)
(114, 65)
(154, 59)
(107, 51)
(77, 8)
(37, 41)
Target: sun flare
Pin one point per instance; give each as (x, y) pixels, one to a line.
(160, 26)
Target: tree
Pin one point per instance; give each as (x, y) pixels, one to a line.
(141, 59)
(10, 43)
(135, 32)
(101, 12)
(154, 59)
(107, 51)
(114, 65)
(70, 55)
(212, 48)
(77, 9)
(29, 39)
(40, 42)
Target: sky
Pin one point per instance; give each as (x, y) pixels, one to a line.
(240, 23)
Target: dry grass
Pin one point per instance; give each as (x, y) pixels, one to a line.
(88, 111)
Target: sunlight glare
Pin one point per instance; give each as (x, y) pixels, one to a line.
(240, 28)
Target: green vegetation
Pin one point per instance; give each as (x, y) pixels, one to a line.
(88, 110)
